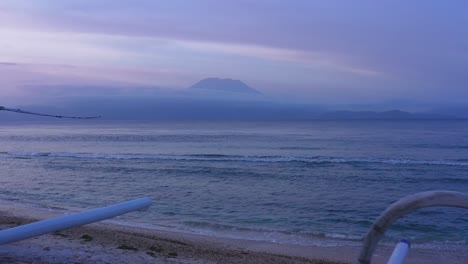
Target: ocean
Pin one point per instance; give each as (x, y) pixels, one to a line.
(316, 182)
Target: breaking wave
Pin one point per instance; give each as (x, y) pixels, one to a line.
(233, 158)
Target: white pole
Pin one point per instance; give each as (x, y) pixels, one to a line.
(399, 253)
(63, 222)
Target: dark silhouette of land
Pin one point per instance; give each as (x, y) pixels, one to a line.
(392, 114)
(224, 85)
(208, 99)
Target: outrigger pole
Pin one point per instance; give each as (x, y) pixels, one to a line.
(73, 220)
(400, 208)
(2, 108)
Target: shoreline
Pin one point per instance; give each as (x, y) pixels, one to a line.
(106, 242)
(112, 243)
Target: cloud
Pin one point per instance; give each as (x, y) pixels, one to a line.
(34, 74)
(7, 64)
(180, 21)
(64, 57)
(278, 54)
(394, 48)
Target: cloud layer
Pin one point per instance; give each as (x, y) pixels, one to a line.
(321, 50)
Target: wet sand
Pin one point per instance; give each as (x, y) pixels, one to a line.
(109, 243)
(113, 243)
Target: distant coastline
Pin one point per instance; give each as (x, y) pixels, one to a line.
(384, 115)
(203, 110)
(222, 99)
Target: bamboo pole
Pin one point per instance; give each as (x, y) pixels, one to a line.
(2, 108)
(403, 207)
(399, 253)
(82, 218)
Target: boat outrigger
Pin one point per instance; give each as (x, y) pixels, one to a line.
(2, 108)
(400, 208)
(73, 220)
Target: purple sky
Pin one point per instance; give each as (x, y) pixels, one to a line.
(320, 51)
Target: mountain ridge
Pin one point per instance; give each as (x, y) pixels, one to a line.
(383, 115)
(224, 85)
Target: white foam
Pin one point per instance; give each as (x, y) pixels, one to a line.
(232, 158)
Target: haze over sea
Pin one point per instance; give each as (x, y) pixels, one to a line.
(317, 182)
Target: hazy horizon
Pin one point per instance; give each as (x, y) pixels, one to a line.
(394, 54)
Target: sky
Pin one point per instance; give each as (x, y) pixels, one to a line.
(316, 51)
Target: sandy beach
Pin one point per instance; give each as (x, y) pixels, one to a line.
(113, 243)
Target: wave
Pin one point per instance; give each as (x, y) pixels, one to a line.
(438, 146)
(234, 158)
(277, 235)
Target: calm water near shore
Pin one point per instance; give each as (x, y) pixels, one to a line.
(292, 182)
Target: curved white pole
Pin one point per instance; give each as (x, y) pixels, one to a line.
(63, 222)
(399, 253)
(404, 206)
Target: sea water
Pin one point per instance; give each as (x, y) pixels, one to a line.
(290, 182)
